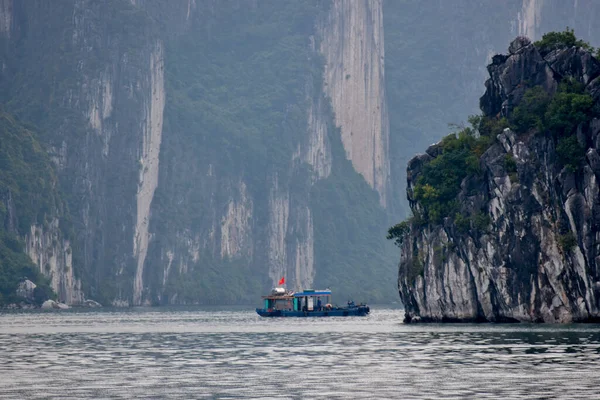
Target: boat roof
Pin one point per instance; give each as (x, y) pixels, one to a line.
(291, 295)
(278, 297)
(312, 292)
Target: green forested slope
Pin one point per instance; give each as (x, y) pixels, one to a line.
(28, 196)
(57, 63)
(352, 259)
(238, 99)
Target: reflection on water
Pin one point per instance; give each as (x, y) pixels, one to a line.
(201, 353)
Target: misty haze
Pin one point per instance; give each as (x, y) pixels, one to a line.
(299, 199)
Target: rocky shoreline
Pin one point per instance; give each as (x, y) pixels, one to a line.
(26, 291)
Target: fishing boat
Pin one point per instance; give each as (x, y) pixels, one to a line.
(307, 303)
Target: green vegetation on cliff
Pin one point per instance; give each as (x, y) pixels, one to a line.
(15, 266)
(557, 40)
(439, 184)
(28, 196)
(236, 116)
(53, 71)
(350, 258)
(26, 177)
(557, 115)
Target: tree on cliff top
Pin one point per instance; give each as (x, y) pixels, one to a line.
(556, 40)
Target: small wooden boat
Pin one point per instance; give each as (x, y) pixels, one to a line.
(308, 303)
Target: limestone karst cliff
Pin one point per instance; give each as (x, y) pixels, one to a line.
(199, 163)
(354, 51)
(519, 241)
(31, 242)
(94, 95)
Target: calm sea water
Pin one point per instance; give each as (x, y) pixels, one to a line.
(233, 353)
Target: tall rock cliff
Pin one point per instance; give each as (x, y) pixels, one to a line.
(190, 156)
(30, 228)
(96, 96)
(196, 163)
(252, 208)
(521, 242)
(354, 51)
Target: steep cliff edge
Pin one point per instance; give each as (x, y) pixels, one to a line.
(249, 152)
(32, 241)
(190, 156)
(353, 47)
(505, 224)
(196, 163)
(95, 95)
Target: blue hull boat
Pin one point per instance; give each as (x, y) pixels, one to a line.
(358, 311)
(307, 303)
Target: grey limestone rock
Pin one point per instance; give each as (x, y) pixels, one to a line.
(519, 43)
(25, 289)
(51, 304)
(539, 258)
(91, 304)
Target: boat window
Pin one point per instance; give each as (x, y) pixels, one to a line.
(281, 304)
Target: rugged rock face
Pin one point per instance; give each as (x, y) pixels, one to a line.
(257, 218)
(26, 290)
(53, 255)
(188, 156)
(149, 163)
(103, 102)
(519, 267)
(353, 46)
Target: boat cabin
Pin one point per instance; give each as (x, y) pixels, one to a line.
(307, 300)
(312, 300)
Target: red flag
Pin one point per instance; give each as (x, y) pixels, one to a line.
(281, 281)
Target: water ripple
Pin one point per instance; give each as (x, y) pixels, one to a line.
(221, 353)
